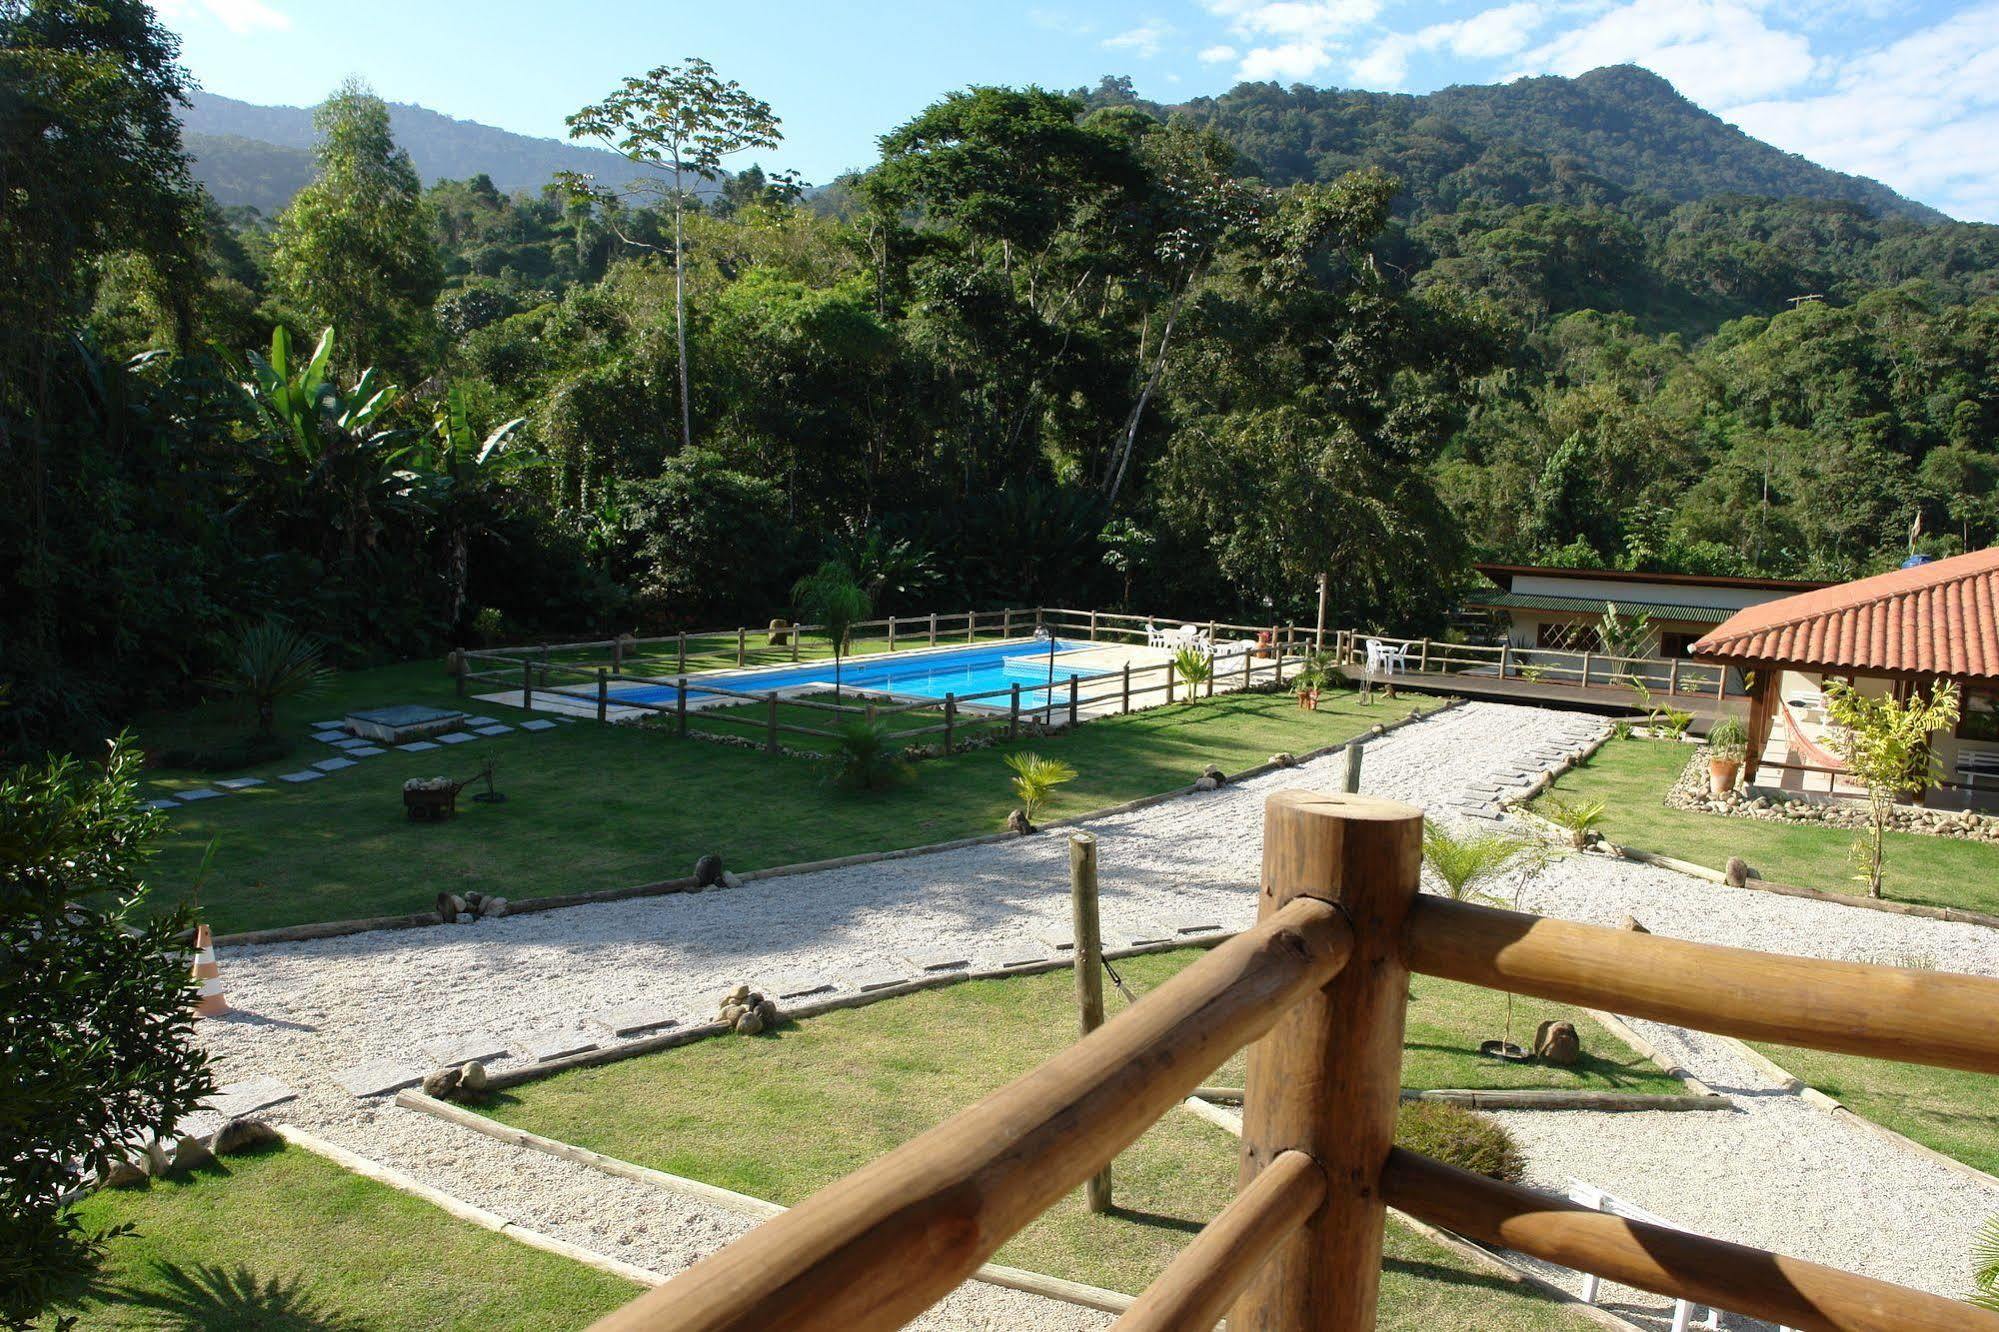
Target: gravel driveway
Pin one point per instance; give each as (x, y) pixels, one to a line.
(1776, 1173)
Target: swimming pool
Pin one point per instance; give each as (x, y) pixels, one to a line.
(931, 673)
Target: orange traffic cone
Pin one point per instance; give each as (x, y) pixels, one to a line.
(210, 1002)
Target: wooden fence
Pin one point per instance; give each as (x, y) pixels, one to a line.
(1670, 676)
(571, 672)
(1316, 990)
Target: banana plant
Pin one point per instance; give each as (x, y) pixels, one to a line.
(456, 474)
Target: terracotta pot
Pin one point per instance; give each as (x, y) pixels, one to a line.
(1721, 774)
(1308, 699)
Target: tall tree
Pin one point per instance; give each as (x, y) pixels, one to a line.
(354, 250)
(681, 119)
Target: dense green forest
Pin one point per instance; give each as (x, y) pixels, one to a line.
(1048, 347)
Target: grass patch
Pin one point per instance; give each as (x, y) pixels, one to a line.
(592, 807)
(779, 1116)
(1632, 777)
(282, 1239)
(1945, 1109)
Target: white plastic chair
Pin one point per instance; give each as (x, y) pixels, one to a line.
(1385, 660)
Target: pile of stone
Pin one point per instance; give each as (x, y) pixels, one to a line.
(747, 1011)
(453, 908)
(1692, 792)
(163, 1160)
(460, 1080)
(429, 784)
(1211, 778)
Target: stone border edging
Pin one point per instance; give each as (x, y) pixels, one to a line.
(663, 887)
(1517, 804)
(1477, 1254)
(668, 1040)
(994, 1274)
(1819, 1100)
(464, 1211)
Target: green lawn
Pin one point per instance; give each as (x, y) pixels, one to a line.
(283, 1241)
(594, 807)
(1632, 777)
(779, 1116)
(1946, 1109)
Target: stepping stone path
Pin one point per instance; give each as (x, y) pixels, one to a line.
(351, 742)
(328, 726)
(1136, 936)
(449, 1051)
(334, 764)
(240, 783)
(799, 986)
(331, 737)
(378, 1077)
(632, 1021)
(365, 751)
(246, 1098)
(496, 730)
(199, 793)
(546, 1045)
(417, 746)
(300, 776)
(934, 962)
(877, 980)
(163, 804)
(456, 738)
(538, 724)
(476, 722)
(1021, 953)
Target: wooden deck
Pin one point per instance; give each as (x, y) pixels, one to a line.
(1605, 700)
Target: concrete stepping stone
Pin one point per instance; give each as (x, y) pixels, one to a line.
(327, 726)
(482, 721)
(496, 730)
(163, 804)
(351, 742)
(1059, 940)
(1021, 953)
(300, 776)
(417, 746)
(240, 783)
(463, 1048)
(538, 724)
(334, 764)
(246, 1098)
(632, 1021)
(564, 720)
(1145, 932)
(798, 987)
(869, 982)
(1196, 925)
(378, 1077)
(456, 738)
(365, 751)
(933, 962)
(546, 1045)
(199, 793)
(331, 737)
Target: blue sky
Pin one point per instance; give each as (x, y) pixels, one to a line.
(1905, 92)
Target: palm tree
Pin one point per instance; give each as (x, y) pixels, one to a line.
(271, 662)
(830, 597)
(1466, 862)
(1985, 1266)
(462, 474)
(1035, 779)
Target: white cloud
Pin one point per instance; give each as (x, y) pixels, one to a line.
(1218, 55)
(1718, 52)
(239, 16)
(1386, 66)
(1486, 35)
(1292, 60)
(1291, 39)
(1145, 40)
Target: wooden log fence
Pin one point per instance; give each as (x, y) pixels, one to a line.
(1316, 989)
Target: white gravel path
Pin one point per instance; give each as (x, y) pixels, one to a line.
(1777, 1173)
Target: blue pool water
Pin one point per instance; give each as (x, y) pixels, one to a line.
(926, 674)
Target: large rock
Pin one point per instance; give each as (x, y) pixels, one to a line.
(1205, 784)
(708, 871)
(191, 1153)
(750, 1023)
(1016, 822)
(472, 1077)
(243, 1135)
(1737, 872)
(493, 906)
(1215, 774)
(447, 908)
(1556, 1042)
(124, 1175)
(441, 1083)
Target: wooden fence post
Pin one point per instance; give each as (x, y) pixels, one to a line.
(933, 628)
(1327, 1079)
(891, 633)
(1247, 658)
(1089, 971)
(1505, 655)
(603, 693)
(680, 709)
(618, 655)
(1093, 626)
(795, 635)
(1006, 622)
(1423, 657)
(1350, 779)
(742, 658)
(1039, 611)
(682, 666)
(950, 719)
(1673, 677)
(770, 723)
(1072, 702)
(527, 685)
(1586, 670)
(1124, 705)
(971, 626)
(1013, 714)
(1720, 681)
(1171, 671)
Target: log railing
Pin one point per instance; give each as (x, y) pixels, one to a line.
(1668, 676)
(1319, 985)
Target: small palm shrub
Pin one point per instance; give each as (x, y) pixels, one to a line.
(1194, 667)
(269, 663)
(865, 757)
(1580, 818)
(1465, 863)
(1985, 1266)
(1459, 1137)
(1035, 779)
(1729, 739)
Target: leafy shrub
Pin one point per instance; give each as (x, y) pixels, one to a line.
(1035, 779)
(1194, 667)
(1985, 1266)
(269, 663)
(1729, 739)
(1459, 1137)
(865, 757)
(1465, 862)
(1579, 817)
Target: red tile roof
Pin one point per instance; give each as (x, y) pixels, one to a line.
(1940, 618)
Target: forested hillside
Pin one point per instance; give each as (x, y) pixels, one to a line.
(1045, 347)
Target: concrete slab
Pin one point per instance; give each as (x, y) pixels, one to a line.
(351, 742)
(496, 730)
(457, 738)
(546, 1045)
(798, 987)
(463, 1047)
(417, 746)
(378, 1077)
(300, 776)
(334, 764)
(246, 1098)
(198, 793)
(877, 980)
(1060, 941)
(932, 962)
(327, 725)
(1135, 936)
(163, 804)
(365, 751)
(240, 783)
(1022, 952)
(538, 724)
(476, 722)
(632, 1021)
(1199, 925)
(331, 737)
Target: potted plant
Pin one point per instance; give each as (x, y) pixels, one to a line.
(1314, 675)
(1727, 744)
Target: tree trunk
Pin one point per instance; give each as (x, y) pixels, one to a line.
(680, 310)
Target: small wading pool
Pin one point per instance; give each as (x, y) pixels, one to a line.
(931, 673)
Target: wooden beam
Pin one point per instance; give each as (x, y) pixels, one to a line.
(1197, 1287)
(1787, 1291)
(878, 1247)
(1327, 1081)
(1900, 1013)
(1762, 712)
